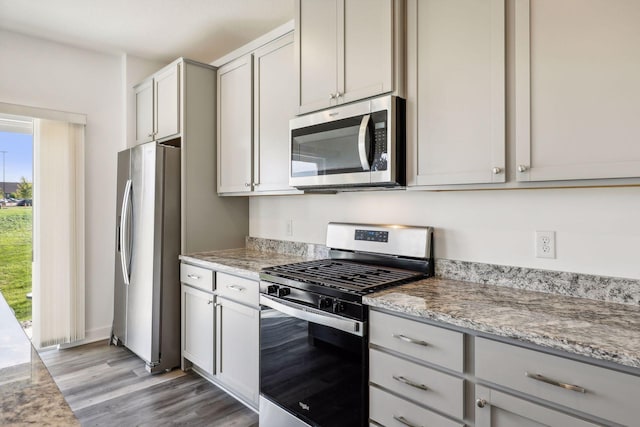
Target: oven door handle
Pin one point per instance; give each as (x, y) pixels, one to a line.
(312, 315)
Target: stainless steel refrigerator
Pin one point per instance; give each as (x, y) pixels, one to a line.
(147, 282)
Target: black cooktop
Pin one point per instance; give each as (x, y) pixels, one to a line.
(352, 277)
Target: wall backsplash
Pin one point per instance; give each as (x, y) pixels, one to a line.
(597, 229)
(601, 288)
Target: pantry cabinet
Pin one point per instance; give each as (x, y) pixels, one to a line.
(255, 102)
(455, 92)
(158, 105)
(347, 50)
(576, 89)
(176, 106)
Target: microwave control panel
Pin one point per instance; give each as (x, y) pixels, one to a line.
(380, 155)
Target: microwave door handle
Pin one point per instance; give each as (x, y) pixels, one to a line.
(362, 148)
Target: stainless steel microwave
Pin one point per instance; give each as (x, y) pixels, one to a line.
(350, 147)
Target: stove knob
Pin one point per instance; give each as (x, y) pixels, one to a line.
(325, 303)
(272, 289)
(283, 292)
(338, 307)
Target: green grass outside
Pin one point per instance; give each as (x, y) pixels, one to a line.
(15, 258)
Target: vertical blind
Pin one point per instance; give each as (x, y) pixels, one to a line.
(58, 232)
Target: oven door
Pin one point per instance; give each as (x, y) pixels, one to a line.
(350, 145)
(313, 364)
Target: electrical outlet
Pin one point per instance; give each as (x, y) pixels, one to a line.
(545, 244)
(289, 227)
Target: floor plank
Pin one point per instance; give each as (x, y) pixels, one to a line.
(106, 386)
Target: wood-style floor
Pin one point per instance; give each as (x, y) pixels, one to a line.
(108, 386)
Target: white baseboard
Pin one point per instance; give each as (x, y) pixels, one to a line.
(91, 335)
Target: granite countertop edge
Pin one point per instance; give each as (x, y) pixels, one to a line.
(542, 319)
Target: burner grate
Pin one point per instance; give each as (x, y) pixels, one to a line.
(351, 276)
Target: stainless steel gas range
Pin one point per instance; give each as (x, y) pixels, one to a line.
(313, 325)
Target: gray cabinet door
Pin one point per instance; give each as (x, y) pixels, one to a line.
(455, 92)
(235, 120)
(144, 111)
(238, 348)
(498, 409)
(275, 104)
(366, 49)
(198, 328)
(577, 89)
(317, 59)
(167, 111)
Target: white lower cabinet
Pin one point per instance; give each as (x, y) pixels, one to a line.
(220, 329)
(411, 383)
(388, 410)
(197, 328)
(238, 348)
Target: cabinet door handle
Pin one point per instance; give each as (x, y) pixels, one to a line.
(496, 170)
(403, 420)
(481, 403)
(548, 380)
(236, 288)
(210, 301)
(246, 184)
(522, 168)
(193, 276)
(150, 135)
(332, 96)
(411, 340)
(409, 382)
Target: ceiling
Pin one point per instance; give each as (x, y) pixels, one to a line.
(161, 30)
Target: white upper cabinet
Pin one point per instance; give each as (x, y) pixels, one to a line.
(167, 90)
(256, 100)
(455, 92)
(577, 89)
(158, 105)
(275, 105)
(347, 50)
(235, 117)
(144, 111)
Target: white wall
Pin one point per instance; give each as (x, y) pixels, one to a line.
(39, 73)
(597, 229)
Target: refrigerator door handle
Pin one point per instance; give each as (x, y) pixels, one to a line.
(125, 232)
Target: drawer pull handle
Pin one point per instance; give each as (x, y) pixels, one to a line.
(403, 420)
(409, 382)
(236, 288)
(193, 276)
(411, 340)
(481, 403)
(547, 380)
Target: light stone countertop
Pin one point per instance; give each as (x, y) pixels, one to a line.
(241, 262)
(601, 330)
(28, 394)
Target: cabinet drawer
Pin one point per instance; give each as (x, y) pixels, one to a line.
(391, 411)
(429, 343)
(238, 289)
(607, 394)
(197, 276)
(424, 385)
